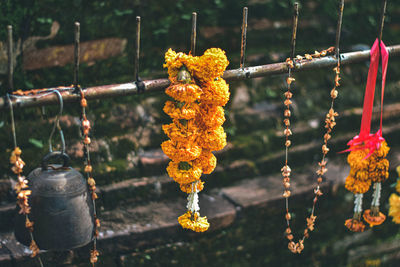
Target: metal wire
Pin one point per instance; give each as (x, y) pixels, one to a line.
(57, 124)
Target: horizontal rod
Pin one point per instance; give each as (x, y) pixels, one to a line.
(114, 90)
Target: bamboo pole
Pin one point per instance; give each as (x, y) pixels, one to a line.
(114, 90)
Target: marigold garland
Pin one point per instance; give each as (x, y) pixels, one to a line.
(367, 166)
(199, 92)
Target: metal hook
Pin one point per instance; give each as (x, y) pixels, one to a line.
(77, 34)
(137, 51)
(138, 82)
(193, 36)
(294, 32)
(339, 29)
(10, 54)
(244, 33)
(383, 14)
(57, 124)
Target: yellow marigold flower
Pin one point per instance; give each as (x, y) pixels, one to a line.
(210, 116)
(183, 172)
(394, 210)
(357, 160)
(355, 225)
(189, 188)
(174, 61)
(215, 92)
(383, 150)
(373, 220)
(379, 170)
(357, 186)
(212, 140)
(207, 161)
(181, 134)
(181, 151)
(209, 66)
(187, 93)
(181, 110)
(193, 222)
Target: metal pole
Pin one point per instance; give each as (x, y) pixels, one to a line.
(193, 36)
(10, 56)
(137, 50)
(114, 90)
(244, 33)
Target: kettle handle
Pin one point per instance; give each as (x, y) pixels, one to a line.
(55, 154)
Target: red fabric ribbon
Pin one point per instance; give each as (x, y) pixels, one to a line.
(366, 140)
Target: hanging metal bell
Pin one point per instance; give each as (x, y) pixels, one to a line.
(61, 207)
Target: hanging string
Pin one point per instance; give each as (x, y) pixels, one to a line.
(329, 124)
(28, 223)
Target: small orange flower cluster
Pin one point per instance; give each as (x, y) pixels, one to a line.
(365, 169)
(199, 93)
(394, 201)
(85, 127)
(23, 193)
(310, 56)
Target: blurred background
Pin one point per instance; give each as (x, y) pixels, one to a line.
(138, 204)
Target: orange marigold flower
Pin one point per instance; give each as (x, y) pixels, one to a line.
(373, 220)
(187, 93)
(174, 61)
(357, 160)
(181, 151)
(193, 222)
(183, 172)
(189, 188)
(394, 210)
(215, 92)
(379, 170)
(181, 134)
(210, 65)
(181, 110)
(357, 186)
(361, 175)
(355, 225)
(210, 116)
(213, 140)
(207, 161)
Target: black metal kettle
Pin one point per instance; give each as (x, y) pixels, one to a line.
(61, 207)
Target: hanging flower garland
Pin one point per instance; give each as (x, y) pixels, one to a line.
(21, 187)
(196, 130)
(297, 247)
(367, 157)
(85, 129)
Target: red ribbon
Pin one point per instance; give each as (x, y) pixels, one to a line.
(366, 140)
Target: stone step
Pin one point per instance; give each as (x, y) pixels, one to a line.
(138, 191)
(128, 228)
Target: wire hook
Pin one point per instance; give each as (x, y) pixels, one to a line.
(138, 82)
(243, 42)
(57, 124)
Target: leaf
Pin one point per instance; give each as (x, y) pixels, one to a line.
(36, 143)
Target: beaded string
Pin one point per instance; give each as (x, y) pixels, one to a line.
(21, 188)
(85, 128)
(329, 124)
